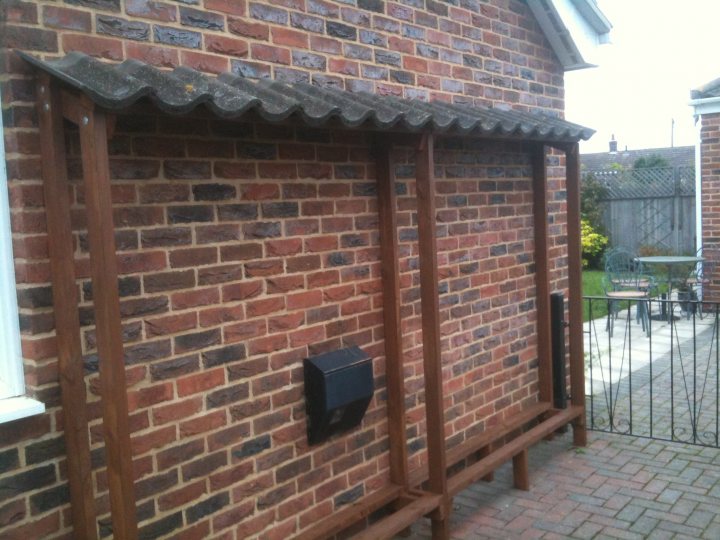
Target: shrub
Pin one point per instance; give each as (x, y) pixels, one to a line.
(593, 245)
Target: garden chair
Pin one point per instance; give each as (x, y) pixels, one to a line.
(640, 293)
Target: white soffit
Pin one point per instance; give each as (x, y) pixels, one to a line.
(574, 28)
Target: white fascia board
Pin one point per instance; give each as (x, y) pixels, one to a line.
(705, 105)
(573, 34)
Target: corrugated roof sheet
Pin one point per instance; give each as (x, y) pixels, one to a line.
(118, 86)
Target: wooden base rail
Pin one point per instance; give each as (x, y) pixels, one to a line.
(477, 470)
(352, 513)
(414, 504)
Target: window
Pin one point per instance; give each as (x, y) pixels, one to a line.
(13, 403)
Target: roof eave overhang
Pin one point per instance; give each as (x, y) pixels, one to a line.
(702, 106)
(574, 28)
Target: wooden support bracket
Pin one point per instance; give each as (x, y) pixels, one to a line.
(108, 329)
(65, 304)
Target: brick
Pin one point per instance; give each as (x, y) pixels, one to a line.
(197, 340)
(177, 37)
(340, 30)
(289, 38)
(165, 237)
(122, 28)
(33, 39)
(200, 382)
(188, 170)
(269, 14)
(242, 291)
(193, 257)
(249, 29)
(28, 480)
(12, 513)
(66, 18)
(226, 46)
(45, 450)
(150, 9)
(204, 466)
(237, 212)
(170, 324)
(205, 508)
(168, 281)
(252, 447)
(234, 7)
(268, 53)
(201, 19)
(227, 396)
(202, 424)
(110, 49)
(171, 369)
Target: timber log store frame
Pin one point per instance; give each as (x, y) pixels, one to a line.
(86, 92)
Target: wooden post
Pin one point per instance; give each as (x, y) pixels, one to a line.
(521, 475)
(542, 273)
(434, 406)
(65, 304)
(389, 254)
(577, 357)
(484, 452)
(108, 329)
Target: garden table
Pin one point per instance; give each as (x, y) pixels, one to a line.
(670, 262)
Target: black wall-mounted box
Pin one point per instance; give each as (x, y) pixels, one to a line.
(338, 390)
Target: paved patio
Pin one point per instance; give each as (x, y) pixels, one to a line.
(617, 487)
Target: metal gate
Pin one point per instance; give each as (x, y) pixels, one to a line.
(661, 383)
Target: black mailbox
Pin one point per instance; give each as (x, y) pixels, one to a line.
(338, 390)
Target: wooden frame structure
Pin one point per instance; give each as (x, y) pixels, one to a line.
(408, 501)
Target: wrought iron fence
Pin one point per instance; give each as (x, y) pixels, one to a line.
(661, 382)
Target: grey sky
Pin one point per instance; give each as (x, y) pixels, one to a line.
(660, 50)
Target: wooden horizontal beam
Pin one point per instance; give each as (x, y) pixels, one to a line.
(360, 509)
(398, 521)
(473, 444)
(479, 469)
(481, 442)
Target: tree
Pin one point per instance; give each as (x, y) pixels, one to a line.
(592, 193)
(653, 161)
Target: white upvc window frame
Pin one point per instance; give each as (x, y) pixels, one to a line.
(13, 402)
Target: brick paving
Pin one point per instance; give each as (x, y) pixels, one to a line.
(617, 487)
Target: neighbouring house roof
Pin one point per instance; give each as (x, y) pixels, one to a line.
(678, 156)
(574, 28)
(118, 86)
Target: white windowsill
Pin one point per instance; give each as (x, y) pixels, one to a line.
(19, 407)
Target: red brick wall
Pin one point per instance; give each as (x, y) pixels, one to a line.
(245, 247)
(710, 193)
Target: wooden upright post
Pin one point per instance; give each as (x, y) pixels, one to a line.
(430, 303)
(389, 253)
(65, 303)
(542, 273)
(577, 358)
(108, 329)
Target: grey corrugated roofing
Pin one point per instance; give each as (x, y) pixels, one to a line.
(118, 86)
(707, 90)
